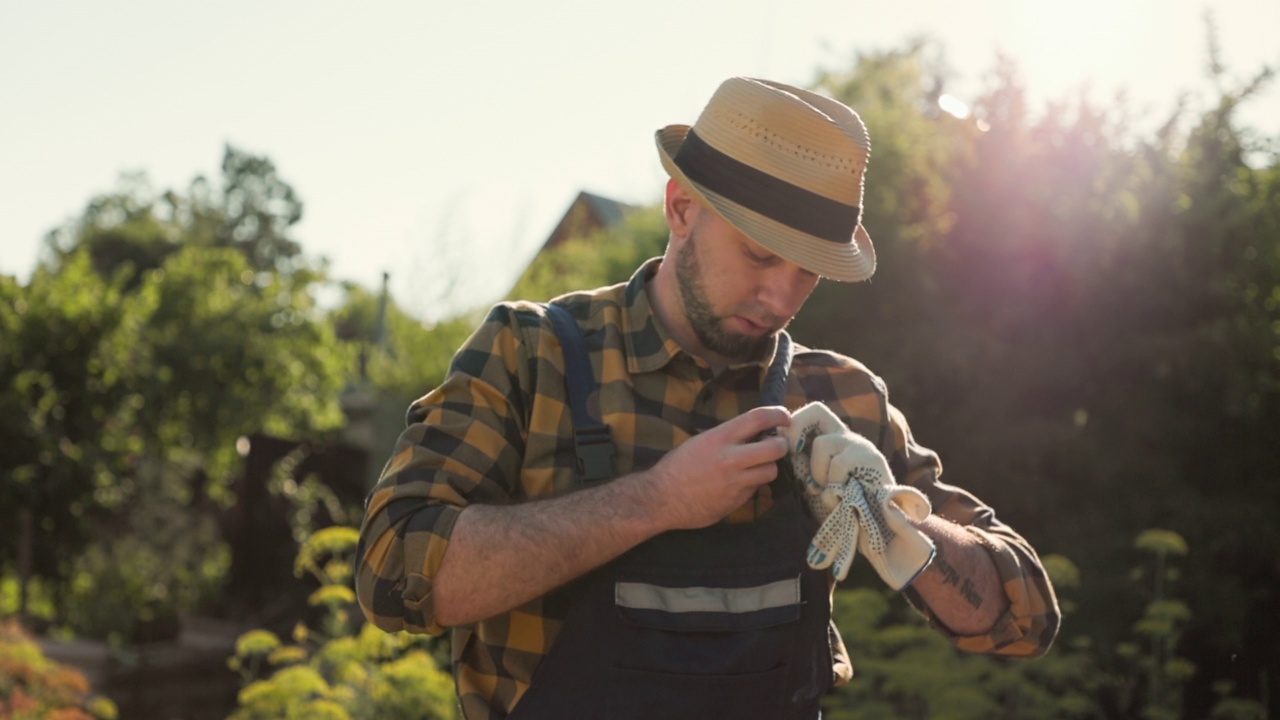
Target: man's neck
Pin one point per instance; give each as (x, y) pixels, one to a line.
(668, 309)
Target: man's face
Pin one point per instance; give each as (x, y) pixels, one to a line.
(737, 295)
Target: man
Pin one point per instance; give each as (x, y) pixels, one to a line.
(693, 583)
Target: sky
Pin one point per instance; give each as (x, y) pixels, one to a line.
(440, 142)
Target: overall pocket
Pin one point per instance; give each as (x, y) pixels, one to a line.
(644, 695)
(697, 651)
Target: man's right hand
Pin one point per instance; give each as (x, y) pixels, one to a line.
(715, 472)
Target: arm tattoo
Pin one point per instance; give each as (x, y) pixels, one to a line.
(951, 576)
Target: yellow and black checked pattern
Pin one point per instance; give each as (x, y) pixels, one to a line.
(499, 430)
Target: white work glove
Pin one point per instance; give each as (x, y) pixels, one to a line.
(852, 492)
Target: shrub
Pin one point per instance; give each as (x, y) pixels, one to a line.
(33, 686)
(339, 670)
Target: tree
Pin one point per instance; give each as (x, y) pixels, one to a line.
(69, 351)
(252, 212)
(257, 209)
(1084, 326)
(232, 351)
(32, 686)
(159, 331)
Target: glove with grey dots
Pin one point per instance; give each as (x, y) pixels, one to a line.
(853, 494)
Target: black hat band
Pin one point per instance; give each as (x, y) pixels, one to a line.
(776, 199)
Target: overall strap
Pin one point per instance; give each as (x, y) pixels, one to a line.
(774, 389)
(591, 439)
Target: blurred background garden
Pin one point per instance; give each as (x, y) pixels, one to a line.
(1077, 305)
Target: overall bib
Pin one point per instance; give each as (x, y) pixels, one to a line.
(723, 622)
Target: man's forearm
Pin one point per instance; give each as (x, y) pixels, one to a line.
(961, 586)
(501, 556)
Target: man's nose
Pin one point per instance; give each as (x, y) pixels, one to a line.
(783, 289)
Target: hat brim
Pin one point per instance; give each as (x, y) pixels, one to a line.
(853, 261)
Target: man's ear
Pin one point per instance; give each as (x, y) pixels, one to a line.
(680, 208)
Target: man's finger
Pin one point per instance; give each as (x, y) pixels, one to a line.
(761, 474)
(755, 421)
(765, 451)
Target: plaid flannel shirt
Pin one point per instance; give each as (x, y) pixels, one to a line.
(499, 430)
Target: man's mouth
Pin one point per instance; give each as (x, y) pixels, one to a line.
(753, 327)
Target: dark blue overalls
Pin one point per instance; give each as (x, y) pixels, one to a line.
(723, 622)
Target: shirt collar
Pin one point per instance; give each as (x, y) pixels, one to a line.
(649, 346)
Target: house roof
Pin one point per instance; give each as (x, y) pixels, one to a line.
(611, 212)
(587, 213)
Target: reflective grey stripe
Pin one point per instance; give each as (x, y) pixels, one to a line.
(644, 596)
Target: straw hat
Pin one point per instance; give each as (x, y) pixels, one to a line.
(785, 167)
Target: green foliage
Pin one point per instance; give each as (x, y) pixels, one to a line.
(326, 554)
(134, 229)
(413, 687)
(402, 358)
(257, 642)
(159, 331)
(33, 687)
(1239, 709)
(68, 409)
(39, 599)
(1163, 673)
(333, 670)
(307, 497)
(1161, 542)
(124, 232)
(131, 587)
(904, 669)
(1084, 323)
(913, 146)
(417, 357)
(235, 351)
(257, 208)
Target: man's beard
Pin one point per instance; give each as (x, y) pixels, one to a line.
(708, 326)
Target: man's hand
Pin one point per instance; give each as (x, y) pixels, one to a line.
(853, 493)
(715, 472)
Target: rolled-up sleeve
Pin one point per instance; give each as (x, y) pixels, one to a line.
(462, 445)
(1027, 629)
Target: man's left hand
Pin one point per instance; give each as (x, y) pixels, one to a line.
(852, 491)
